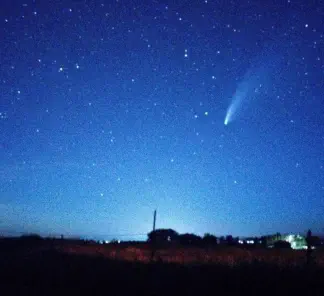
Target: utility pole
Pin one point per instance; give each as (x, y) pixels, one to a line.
(153, 242)
(154, 220)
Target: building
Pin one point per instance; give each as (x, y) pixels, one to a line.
(297, 241)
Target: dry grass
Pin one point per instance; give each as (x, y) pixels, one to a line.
(229, 256)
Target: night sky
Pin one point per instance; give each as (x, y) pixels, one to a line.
(111, 109)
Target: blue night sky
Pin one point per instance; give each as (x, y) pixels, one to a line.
(111, 109)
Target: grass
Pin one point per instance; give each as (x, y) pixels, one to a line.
(230, 256)
(47, 269)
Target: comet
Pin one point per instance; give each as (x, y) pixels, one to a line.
(262, 73)
(235, 105)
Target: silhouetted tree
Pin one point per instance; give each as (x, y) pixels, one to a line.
(310, 244)
(190, 239)
(222, 240)
(30, 240)
(209, 239)
(263, 241)
(229, 240)
(280, 244)
(271, 239)
(311, 240)
(162, 236)
(31, 237)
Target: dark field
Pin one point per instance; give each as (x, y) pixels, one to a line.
(54, 268)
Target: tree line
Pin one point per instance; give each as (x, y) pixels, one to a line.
(170, 236)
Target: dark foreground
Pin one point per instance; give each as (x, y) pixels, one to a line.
(50, 272)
